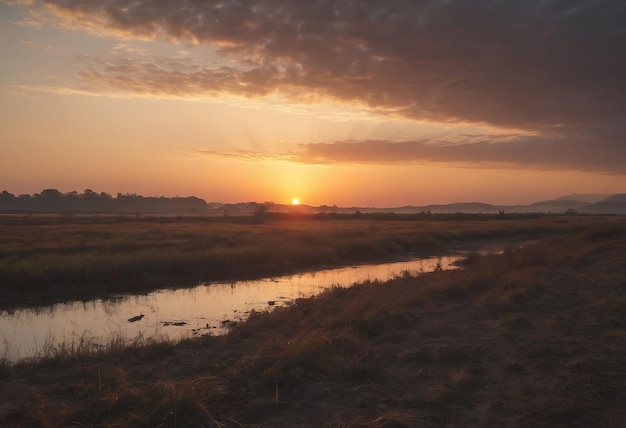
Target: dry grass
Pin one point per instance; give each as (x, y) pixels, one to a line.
(531, 337)
(51, 258)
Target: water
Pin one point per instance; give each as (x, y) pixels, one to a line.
(175, 314)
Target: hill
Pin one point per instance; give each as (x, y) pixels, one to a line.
(462, 207)
(556, 206)
(590, 198)
(614, 204)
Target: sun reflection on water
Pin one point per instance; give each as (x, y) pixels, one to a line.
(174, 314)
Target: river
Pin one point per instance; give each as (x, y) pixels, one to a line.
(177, 313)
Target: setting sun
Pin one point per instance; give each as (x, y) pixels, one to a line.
(295, 201)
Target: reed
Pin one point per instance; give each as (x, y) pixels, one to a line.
(46, 258)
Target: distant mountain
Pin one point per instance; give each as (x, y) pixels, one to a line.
(553, 206)
(583, 203)
(611, 204)
(590, 198)
(618, 198)
(614, 204)
(462, 207)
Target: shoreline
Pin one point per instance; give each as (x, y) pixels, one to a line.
(56, 262)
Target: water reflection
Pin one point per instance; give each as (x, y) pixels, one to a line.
(178, 313)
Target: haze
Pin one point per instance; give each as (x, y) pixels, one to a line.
(355, 103)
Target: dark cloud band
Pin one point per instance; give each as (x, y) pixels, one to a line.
(480, 151)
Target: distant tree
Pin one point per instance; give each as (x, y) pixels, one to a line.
(71, 201)
(89, 195)
(50, 194)
(261, 210)
(6, 196)
(92, 201)
(8, 201)
(49, 200)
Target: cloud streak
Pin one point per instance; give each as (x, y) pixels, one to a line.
(476, 151)
(553, 68)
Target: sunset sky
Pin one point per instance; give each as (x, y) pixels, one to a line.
(347, 102)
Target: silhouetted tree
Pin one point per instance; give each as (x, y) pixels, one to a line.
(49, 200)
(261, 210)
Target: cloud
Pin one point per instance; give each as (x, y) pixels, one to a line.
(551, 67)
(471, 151)
(36, 45)
(185, 80)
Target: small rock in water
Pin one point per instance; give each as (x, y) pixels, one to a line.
(135, 318)
(176, 323)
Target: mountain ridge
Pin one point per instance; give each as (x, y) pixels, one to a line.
(591, 198)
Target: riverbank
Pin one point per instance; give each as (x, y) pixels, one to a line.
(47, 259)
(534, 336)
(176, 314)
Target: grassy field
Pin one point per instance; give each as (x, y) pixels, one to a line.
(48, 258)
(531, 337)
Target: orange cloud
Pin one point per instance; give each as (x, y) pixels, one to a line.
(496, 151)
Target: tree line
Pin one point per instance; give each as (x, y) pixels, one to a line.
(51, 200)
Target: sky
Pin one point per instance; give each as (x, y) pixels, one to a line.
(344, 102)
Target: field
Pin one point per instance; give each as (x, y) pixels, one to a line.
(532, 336)
(44, 259)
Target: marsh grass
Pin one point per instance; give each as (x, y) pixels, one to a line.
(52, 258)
(533, 336)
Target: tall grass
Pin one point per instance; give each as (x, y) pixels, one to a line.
(47, 257)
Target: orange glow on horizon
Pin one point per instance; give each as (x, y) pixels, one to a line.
(295, 201)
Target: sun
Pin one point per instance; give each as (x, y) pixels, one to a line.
(295, 201)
